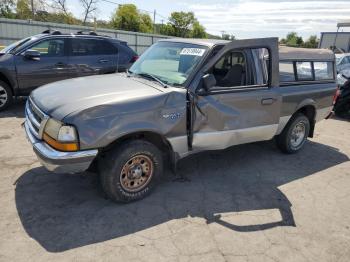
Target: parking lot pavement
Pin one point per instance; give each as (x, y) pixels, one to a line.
(247, 203)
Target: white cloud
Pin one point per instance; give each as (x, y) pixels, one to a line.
(271, 18)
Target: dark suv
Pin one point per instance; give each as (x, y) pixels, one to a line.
(52, 56)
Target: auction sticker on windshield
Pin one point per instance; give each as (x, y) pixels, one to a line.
(192, 51)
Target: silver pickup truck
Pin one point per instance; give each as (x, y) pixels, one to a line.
(182, 96)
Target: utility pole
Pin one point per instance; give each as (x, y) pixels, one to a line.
(154, 21)
(222, 33)
(32, 4)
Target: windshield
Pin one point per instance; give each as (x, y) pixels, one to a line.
(170, 62)
(14, 46)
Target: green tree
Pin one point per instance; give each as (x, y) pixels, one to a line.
(311, 42)
(292, 39)
(228, 37)
(127, 17)
(198, 31)
(23, 10)
(103, 24)
(181, 23)
(7, 8)
(146, 23)
(167, 29)
(58, 17)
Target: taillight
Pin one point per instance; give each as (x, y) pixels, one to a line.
(336, 95)
(134, 58)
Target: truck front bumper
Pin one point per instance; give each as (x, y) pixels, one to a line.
(57, 161)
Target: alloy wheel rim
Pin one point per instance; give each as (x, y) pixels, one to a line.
(298, 135)
(3, 96)
(136, 173)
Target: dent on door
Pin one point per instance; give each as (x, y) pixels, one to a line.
(222, 122)
(227, 119)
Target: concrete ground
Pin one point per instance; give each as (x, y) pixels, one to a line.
(248, 203)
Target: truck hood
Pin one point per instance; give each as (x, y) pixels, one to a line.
(65, 97)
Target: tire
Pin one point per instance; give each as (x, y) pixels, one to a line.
(285, 140)
(124, 177)
(6, 96)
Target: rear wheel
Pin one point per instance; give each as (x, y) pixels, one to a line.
(131, 171)
(5, 96)
(294, 135)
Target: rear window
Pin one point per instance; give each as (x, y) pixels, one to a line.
(106, 48)
(287, 72)
(323, 70)
(298, 71)
(85, 47)
(304, 70)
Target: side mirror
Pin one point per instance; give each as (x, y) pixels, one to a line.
(208, 81)
(32, 55)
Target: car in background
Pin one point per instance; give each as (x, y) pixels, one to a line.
(52, 56)
(342, 61)
(342, 97)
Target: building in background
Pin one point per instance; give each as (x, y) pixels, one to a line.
(339, 41)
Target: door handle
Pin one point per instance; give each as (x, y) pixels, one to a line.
(268, 101)
(103, 61)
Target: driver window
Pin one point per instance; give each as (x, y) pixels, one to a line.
(230, 70)
(242, 68)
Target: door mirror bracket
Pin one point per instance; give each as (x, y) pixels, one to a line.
(208, 81)
(32, 55)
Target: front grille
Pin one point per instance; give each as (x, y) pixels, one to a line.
(35, 118)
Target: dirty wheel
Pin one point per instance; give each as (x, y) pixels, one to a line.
(294, 135)
(131, 170)
(136, 173)
(5, 96)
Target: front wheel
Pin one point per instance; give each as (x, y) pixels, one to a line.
(131, 170)
(294, 135)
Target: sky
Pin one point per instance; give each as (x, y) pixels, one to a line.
(243, 18)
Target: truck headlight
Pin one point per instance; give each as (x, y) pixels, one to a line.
(60, 136)
(67, 134)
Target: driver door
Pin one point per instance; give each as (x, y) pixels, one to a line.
(52, 65)
(244, 104)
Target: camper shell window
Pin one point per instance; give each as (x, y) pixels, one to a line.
(305, 65)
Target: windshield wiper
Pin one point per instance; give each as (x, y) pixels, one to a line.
(153, 77)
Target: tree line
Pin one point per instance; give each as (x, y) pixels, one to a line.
(292, 39)
(126, 17)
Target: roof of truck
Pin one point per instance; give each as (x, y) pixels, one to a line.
(296, 53)
(205, 42)
(285, 52)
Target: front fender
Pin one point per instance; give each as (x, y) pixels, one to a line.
(99, 127)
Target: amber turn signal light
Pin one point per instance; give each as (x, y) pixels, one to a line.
(66, 147)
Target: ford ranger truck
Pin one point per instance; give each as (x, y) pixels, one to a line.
(181, 97)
